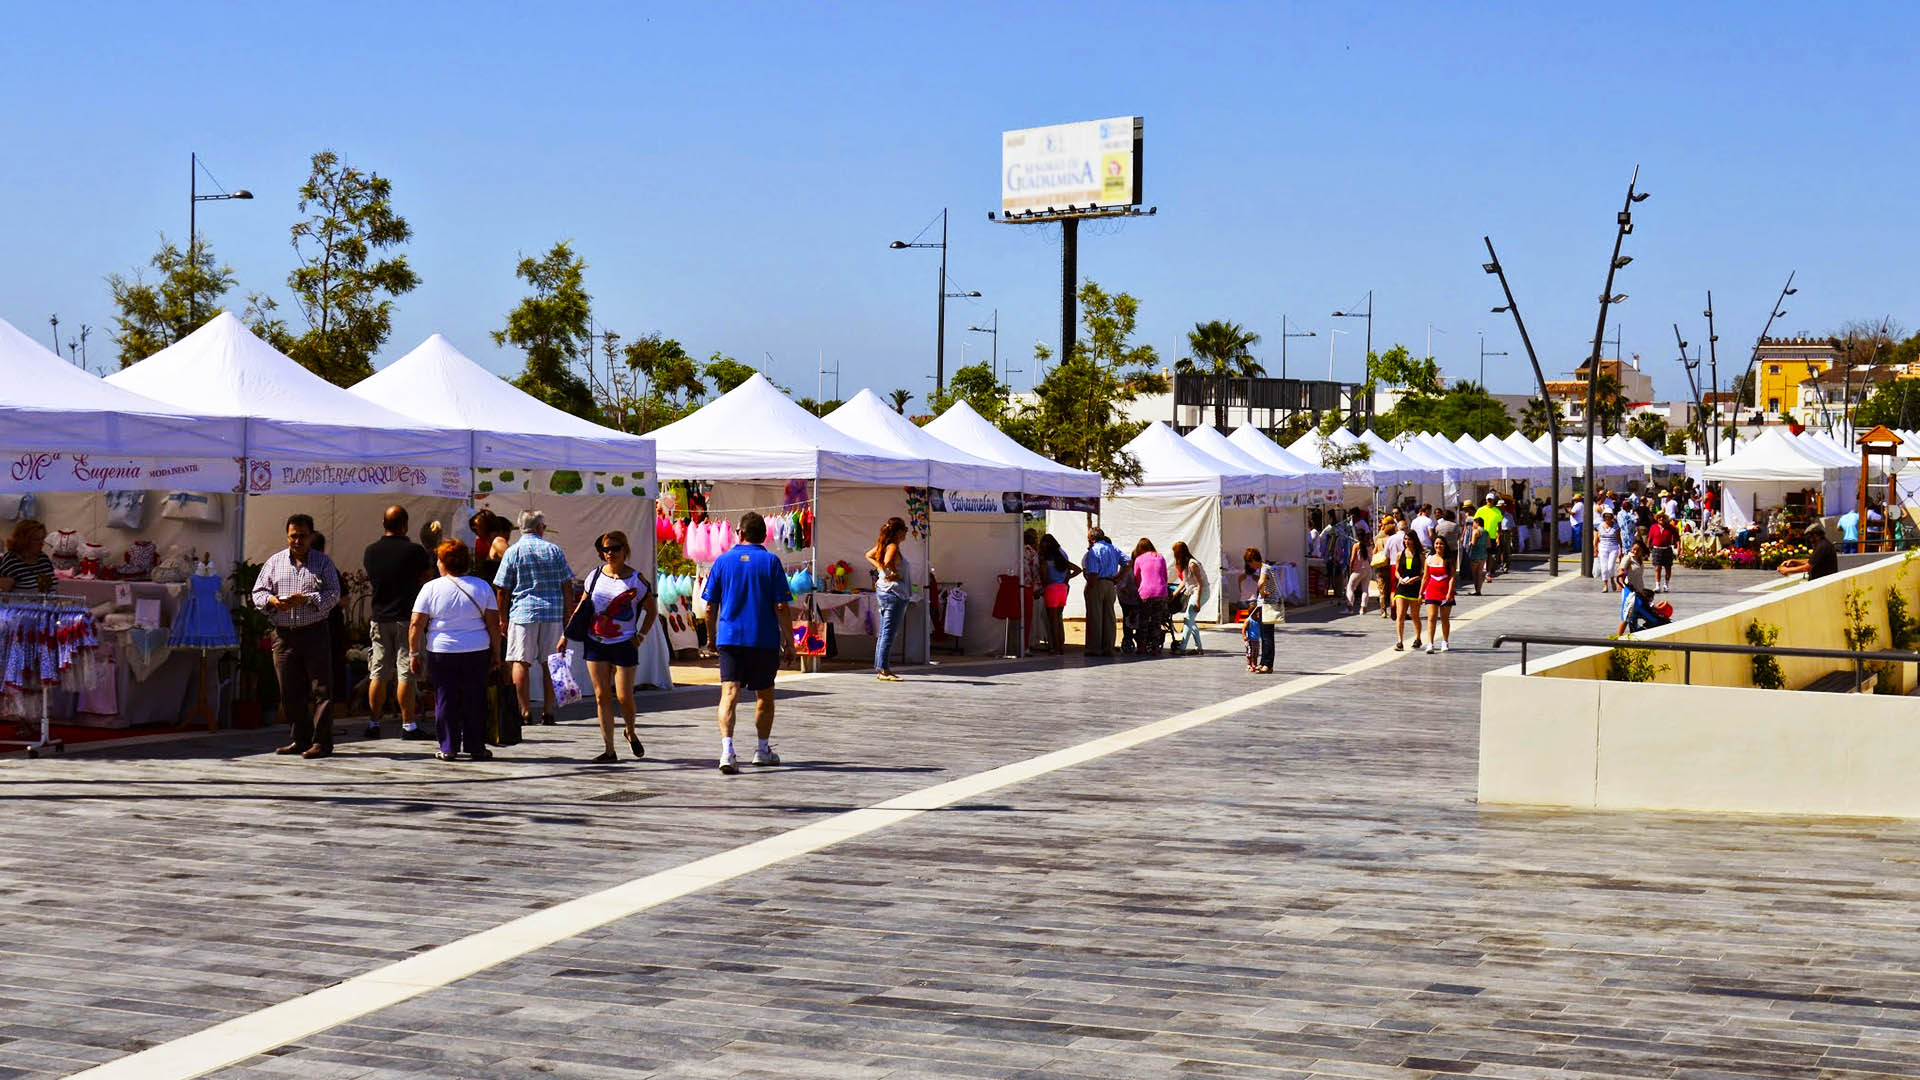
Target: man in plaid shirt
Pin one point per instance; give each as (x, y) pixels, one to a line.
(535, 587)
(297, 588)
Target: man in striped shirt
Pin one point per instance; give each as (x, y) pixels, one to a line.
(297, 588)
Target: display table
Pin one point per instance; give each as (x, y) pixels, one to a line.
(170, 594)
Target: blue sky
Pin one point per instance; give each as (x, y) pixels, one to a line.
(733, 173)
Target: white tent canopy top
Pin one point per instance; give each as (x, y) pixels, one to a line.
(1635, 450)
(1773, 456)
(1373, 472)
(961, 425)
(1501, 456)
(1391, 456)
(1209, 441)
(222, 369)
(1541, 452)
(54, 406)
(755, 432)
(1255, 443)
(1470, 466)
(871, 420)
(1573, 457)
(439, 385)
(1170, 465)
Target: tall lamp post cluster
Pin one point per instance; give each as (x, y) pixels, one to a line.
(940, 344)
(1553, 413)
(1623, 224)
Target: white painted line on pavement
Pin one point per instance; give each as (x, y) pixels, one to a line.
(243, 1037)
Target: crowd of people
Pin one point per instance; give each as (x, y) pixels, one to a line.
(1146, 589)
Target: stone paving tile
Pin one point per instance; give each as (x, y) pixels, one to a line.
(1304, 889)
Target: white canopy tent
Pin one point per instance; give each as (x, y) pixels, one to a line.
(1636, 448)
(1287, 515)
(305, 440)
(1324, 484)
(1608, 465)
(1511, 465)
(760, 451)
(1765, 468)
(1217, 508)
(1430, 482)
(1042, 481)
(975, 515)
(526, 455)
(1366, 482)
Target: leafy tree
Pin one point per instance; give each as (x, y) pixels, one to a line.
(1648, 428)
(671, 380)
(726, 372)
(1075, 417)
(1220, 348)
(898, 399)
(1293, 428)
(1537, 418)
(1398, 367)
(151, 317)
(976, 385)
(345, 282)
(1333, 455)
(1465, 408)
(1676, 443)
(550, 325)
(1609, 403)
(1895, 404)
(818, 408)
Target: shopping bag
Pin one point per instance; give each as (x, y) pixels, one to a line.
(810, 639)
(503, 714)
(565, 690)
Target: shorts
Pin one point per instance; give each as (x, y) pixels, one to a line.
(532, 643)
(1056, 596)
(752, 667)
(389, 656)
(620, 654)
(1663, 556)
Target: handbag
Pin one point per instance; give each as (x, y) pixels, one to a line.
(15, 507)
(191, 506)
(126, 509)
(1270, 612)
(580, 624)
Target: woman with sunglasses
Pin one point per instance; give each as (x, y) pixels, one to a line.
(618, 594)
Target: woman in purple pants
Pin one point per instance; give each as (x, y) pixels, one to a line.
(456, 627)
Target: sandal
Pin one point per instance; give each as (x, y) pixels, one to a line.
(633, 743)
(440, 756)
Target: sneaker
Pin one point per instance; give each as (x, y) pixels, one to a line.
(1443, 646)
(373, 731)
(729, 766)
(766, 757)
(1431, 649)
(413, 734)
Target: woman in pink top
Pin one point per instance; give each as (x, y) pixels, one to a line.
(1150, 576)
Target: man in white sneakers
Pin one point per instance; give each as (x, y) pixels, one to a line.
(535, 587)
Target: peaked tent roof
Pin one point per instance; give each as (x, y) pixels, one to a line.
(1254, 442)
(1471, 467)
(755, 432)
(1827, 448)
(1605, 461)
(50, 404)
(961, 425)
(869, 419)
(1773, 455)
(1534, 451)
(1390, 455)
(1371, 472)
(1635, 450)
(1170, 465)
(1659, 456)
(221, 369)
(1500, 456)
(1209, 441)
(438, 384)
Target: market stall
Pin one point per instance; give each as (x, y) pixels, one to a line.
(824, 493)
(974, 522)
(528, 455)
(1775, 471)
(1370, 483)
(121, 482)
(1293, 492)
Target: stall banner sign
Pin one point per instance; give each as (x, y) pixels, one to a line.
(346, 477)
(492, 481)
(1077, 504)
(53, 470)
(950, 501)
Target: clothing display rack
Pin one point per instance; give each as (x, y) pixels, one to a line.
(936, 612)
(56, 602)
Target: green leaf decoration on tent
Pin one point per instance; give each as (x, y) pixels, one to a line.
(566, 482)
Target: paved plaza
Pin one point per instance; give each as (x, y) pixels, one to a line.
(1293, 884)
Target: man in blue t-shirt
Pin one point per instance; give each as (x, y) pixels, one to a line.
(747, 604)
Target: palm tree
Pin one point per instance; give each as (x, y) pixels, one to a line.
(898, 399)
(1537, 418)
(1221, 348)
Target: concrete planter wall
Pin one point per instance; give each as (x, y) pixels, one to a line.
(1564, 736)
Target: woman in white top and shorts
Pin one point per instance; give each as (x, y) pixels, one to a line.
(456, 627)
(618, 594)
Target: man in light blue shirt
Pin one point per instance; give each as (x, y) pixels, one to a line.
(1849, 531)
(1102, 568)
(535, 589)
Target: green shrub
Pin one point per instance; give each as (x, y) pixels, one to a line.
(1632, 665)
(1766, 669)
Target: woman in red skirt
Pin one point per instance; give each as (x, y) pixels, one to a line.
(1437, 590)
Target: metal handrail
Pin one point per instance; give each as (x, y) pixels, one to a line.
(1688, 648)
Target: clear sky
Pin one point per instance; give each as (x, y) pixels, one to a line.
(733, 173)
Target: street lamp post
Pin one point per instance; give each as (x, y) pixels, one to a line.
(940, 344)
(194, 199)
(1713, 375)
(1484, 353)
(1284, 335)
(1778, 313)
(1330, 335)
(1623, 223)
(1553, 411)
(995, 331)
(1367, 315)
(1692, 364)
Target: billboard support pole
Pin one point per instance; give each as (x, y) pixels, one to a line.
(1069, 276)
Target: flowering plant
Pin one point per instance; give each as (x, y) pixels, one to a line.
(1741, 559)
(1701, 551)
(1779, 551)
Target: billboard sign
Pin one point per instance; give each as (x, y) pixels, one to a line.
(1094, 163)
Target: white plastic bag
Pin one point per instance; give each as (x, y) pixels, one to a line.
(565, 690)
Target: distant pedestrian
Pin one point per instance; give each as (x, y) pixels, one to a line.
(535, 589)
(1387, 549)
(619, 594)
(1479, 549)
(1409, 571)
(455, 626)
(1606, 552)
(1436, 590)
(1359, 569)
(1056, 570)
(890, 593)
(1102, 566)
(748, 602)
(1266, 604)
(1149, 573)
(1033, 591)
(1193, 593)
(1663, 538)
(396, 567)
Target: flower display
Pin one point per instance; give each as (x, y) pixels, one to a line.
(1779, 551)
